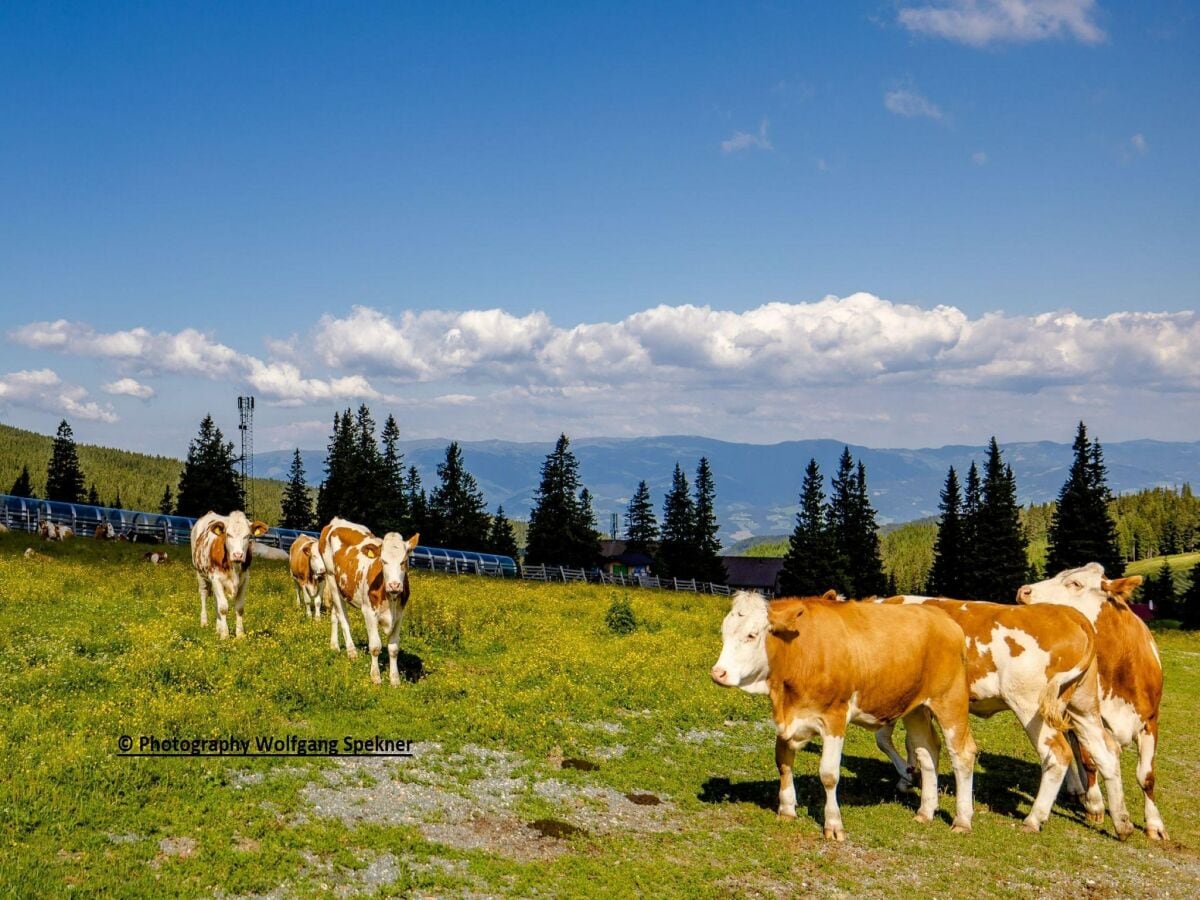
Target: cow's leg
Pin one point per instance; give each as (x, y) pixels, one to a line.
(218, 590)
(1097, 746)
(203, 582)
(314, 598)
(373, 642)
(1147, 742)
(785, 758)
(394, 652)
(239, 601)
(831, 770)
(1073, 785)
(883, 740)
(926, 749)
(1054, 753)
(951, 711)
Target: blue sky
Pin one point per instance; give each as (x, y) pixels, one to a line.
(208, 199)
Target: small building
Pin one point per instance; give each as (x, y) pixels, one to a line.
(617, 559)
(753, 573)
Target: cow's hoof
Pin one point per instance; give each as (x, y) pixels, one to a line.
(394, 682)
(375, 677)
(961, 827)
(1156, 832)
(922, 818)
(1123, 828)
(904, 786)
(1094, 817)
(786, 814)
(835, 833)
(1031, 826)
(352, 653)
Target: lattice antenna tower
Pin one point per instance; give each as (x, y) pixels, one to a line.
(246, 427)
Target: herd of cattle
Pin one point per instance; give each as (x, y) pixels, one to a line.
(1072, 661)
(1079, 669)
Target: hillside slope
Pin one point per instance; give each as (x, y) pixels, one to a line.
(139, 477)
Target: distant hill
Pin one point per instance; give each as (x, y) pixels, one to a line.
(758, 485)
(140, 477)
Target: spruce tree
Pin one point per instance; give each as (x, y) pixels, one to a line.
(676, 548)
(93, 495)
(64, 478)
(333, 499)
(365, 471)
(1189, 602)
(297, 508)
(585, 535)
(1159, 592)
(1000, 562)
(865, 565)
(416, 506)
(706, 544)
(810, 565)
(117, 502)
(21, 487)
(166, 505)
(501, 538)
(947, 575)
(457, 513)
(1082, 531)
(391, 499)
(843, 500)
(557, 525)
(209, 481)
(641, 525)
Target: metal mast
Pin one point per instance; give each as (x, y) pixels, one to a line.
(246, 427)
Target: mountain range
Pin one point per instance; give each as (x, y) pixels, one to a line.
(758, 485)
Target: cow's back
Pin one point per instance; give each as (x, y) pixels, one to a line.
(1130, 667)
(298, 560)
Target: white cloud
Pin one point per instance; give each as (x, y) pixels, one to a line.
(910, 104)
(982, 22)
(43, 389)
(186, 352)
(1138, 143)
(979, 158)
(129, 387)
(745, 140)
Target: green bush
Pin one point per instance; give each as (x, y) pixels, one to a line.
(620, 618)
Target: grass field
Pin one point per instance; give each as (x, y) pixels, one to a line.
(1181, 567)
(553, 757)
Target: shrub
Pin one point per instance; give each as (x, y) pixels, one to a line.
(620, 618)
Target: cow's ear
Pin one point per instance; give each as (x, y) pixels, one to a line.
(413, 541)
(258, 529)
(370, 551)
(217, 528)
(782, 618)
(830, 594)
(1121, 588)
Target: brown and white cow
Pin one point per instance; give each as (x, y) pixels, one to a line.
(308, 574)
(371, 574)
(1040, 662)
(827, 664)
(51, 531)
(221, 557)
(156, 557)
(1131, 675)
(105, 532)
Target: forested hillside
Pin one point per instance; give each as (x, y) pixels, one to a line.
(138, 477)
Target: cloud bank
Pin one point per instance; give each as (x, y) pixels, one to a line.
(982, 22)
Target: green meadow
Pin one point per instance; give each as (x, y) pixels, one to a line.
(550, 756)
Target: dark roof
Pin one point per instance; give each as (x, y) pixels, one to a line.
(611, 549)
(752, 571)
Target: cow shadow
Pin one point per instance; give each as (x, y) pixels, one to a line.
(410, 666)
(1007, 785)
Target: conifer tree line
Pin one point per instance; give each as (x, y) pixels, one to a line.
(686, 546)
(835, 544)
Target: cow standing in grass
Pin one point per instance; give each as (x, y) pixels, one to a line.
(1040, 662)
(372, 574)
(308, 574)
(1131, 675)
(221, 556)
(827, 664)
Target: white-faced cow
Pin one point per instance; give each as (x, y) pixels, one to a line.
(221, 556)
(1131, 675)
(105, 532)
(1040, 662)
(827, 664)
(308, 574)
(371, 574)
(52, 531)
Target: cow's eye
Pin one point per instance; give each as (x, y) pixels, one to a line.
(752, 636)
(1074, 585)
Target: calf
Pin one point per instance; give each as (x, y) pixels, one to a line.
(51, 531)
(826, 664)
(221, 558)
(1131, 675)
(372, 574)
(1040, 663)
(308, 574)
(105, 532)
(156, 557)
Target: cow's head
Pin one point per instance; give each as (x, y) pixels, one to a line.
(1086, 589)
(237, 532)
(395, 557)
(316, 565)
(743, 660)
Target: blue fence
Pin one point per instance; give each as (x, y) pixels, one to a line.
(24, 514)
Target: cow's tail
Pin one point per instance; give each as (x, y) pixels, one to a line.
(1052, 705)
